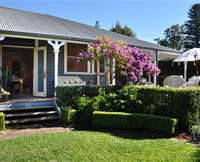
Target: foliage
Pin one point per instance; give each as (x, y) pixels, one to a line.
(123, 30)
(128, 121)
(109, 146)
(68, 114)
(4, 92)
(131, 62)
(2, 121)
(6, 78)
(195, 130)
(67, 95)
(180, 103)
(174, 37)
(193, 27)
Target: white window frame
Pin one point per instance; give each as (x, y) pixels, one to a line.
(65, 59)
(90, 65)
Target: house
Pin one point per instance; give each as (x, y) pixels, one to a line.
(40, 48)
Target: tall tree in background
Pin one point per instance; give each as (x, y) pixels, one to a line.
(193, 27)
(97, 24)
(174, 37)
(123, 30)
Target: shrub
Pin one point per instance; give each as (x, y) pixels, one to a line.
(2, 121)
(152, 123)
(195, 130)
(66, 96)
(180, 103)
(68, 114)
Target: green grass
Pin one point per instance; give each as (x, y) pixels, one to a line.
(96, 146)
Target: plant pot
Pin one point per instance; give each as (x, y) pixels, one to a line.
(196, 137)
(4, 97)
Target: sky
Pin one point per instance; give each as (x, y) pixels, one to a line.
(147, 18)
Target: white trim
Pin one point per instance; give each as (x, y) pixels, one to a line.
(44, 38)
(65, 60)
(14, 46)
(35, 73)
(170, 53)
(77, 42)
(1, 58)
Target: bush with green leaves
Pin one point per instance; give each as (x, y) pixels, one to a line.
(66, 96)
(180, 103)
(68, 114)
(2, 121)
(195, 130)
(134, 121)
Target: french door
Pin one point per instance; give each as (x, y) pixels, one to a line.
(40, 72)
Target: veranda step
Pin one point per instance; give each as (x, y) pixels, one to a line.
(29, 114)
(26, 108)
(32, 120)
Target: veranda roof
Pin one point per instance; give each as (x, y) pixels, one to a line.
(19, 22)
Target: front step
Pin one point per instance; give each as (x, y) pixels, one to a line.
(27, 113)
(32, 120)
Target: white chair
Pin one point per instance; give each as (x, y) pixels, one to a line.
(174, 81)
(70, 81)
(193, 81)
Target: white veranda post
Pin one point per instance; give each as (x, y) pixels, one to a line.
(56, 48)
(1, 38)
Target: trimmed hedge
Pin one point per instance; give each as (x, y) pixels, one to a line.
(180, 103)
(120, 120)
(68, 114)
(2, 121)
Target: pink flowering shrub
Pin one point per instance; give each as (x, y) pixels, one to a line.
(130, 62)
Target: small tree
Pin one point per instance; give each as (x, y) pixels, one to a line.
(130, 62)
(123, 30)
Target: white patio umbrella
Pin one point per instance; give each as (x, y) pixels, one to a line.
(190, 55)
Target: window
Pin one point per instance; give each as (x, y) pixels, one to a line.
(72, 54)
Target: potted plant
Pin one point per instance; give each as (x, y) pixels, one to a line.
(4, 94)
(195, 130)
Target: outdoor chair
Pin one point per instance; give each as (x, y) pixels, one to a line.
(193, 81)
(174, 81)
(70, 81)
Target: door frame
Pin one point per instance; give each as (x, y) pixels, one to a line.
(35, 72)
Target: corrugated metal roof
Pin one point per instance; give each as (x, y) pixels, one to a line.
(28, 23)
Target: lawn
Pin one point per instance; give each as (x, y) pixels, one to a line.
(96, 146)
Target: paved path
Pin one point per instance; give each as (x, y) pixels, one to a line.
(13, 133)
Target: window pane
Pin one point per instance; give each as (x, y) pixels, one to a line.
(74, 66)
(74, 49)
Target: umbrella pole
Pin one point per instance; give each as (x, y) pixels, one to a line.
(197, 73)
(185, 71)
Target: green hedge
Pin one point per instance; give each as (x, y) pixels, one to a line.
(68, 114)
(2, 121)
(67, 95)
(180, 103)
(152, 123)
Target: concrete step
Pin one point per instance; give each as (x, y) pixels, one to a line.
(33, 120)
(29, 114)
(20, 109)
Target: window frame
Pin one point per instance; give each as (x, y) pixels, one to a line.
(90, 65)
